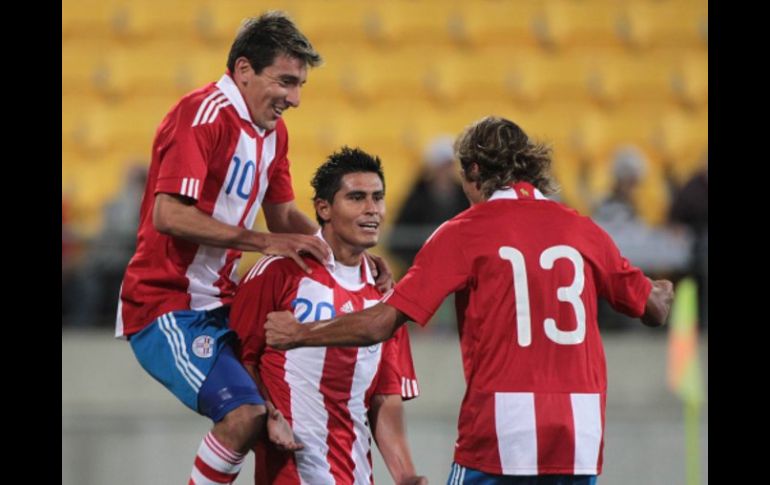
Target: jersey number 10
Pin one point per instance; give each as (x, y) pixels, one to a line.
(570, 294)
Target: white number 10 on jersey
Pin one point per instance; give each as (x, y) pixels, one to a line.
(570, 294)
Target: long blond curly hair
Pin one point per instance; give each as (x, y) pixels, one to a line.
(504, 155)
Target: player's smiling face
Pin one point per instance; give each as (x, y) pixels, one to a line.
(357, 212)
(272, 91)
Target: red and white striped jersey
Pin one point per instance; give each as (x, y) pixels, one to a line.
(527, 272)
(324, 392)
(207, 149)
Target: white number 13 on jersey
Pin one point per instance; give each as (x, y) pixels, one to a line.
(570, 294)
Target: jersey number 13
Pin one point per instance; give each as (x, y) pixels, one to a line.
(570, 294)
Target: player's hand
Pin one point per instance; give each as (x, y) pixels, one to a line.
(279, 431)
(658, 304)
(294, 246)
(282, 330)
(381, 271)
(418, 480)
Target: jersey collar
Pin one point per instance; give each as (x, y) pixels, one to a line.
(519, 190)
(330, 262)
(230, 90)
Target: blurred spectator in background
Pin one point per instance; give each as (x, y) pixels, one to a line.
(68, 257)
(617, 210)
(436, 197)
(97, 281)
(690, 210)
(659, 252)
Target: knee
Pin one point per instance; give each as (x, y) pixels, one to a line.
(241, 427)
(247, 416)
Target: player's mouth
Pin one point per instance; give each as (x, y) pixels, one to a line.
(369, 227)
(278, 111)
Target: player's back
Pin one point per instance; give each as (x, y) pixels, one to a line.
(532, 353)
(530, 311)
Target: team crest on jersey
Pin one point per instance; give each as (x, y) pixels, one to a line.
(203, 346)
(374, 348)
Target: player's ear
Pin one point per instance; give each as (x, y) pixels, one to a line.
(323, 209)
(242, 66)
(471, 172)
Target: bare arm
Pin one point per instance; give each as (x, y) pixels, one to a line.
(658, 303)
(278, 429)
(367, 327)
(177, 216)
(287, 218)
(386, 418)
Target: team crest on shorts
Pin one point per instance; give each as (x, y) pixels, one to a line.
(203, 346)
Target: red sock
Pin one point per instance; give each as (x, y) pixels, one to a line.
(215, 464)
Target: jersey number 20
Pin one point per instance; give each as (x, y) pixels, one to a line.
(570, 294)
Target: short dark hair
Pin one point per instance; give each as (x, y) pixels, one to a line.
(328, 178)
(504, 154)
(262, 39)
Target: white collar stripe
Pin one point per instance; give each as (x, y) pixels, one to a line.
(204, 106)
(210, 108)
(230, 90)
(215, 113)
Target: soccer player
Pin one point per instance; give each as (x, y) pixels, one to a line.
(527, 272)
(218, 156)
(330, 395)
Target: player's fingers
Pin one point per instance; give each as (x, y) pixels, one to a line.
(298, 259)
(318, 249)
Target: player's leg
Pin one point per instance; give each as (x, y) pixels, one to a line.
(189, 353)
(230, 398)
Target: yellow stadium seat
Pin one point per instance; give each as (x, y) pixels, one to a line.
(409, 23)
(681, 139)
(95, 183)
(141, 20)
(690, 80)
(578, 24)
(489, 22)
(347, 21)
(218, 21)
(633, 77)
(86, 18)
(203, 66)
(84, 66)
(682, 23)
(152, 69)
(388, 74)
(527, 76)
(125, 129)
(652, 198)
(84, 129)
(463, 76)
(568, 170)
(600, 131)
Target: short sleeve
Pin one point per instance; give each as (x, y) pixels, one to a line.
(439, 269)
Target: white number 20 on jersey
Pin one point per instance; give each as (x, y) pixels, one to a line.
(570, 294)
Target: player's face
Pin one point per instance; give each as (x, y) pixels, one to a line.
(272, 91)
(357, 212)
